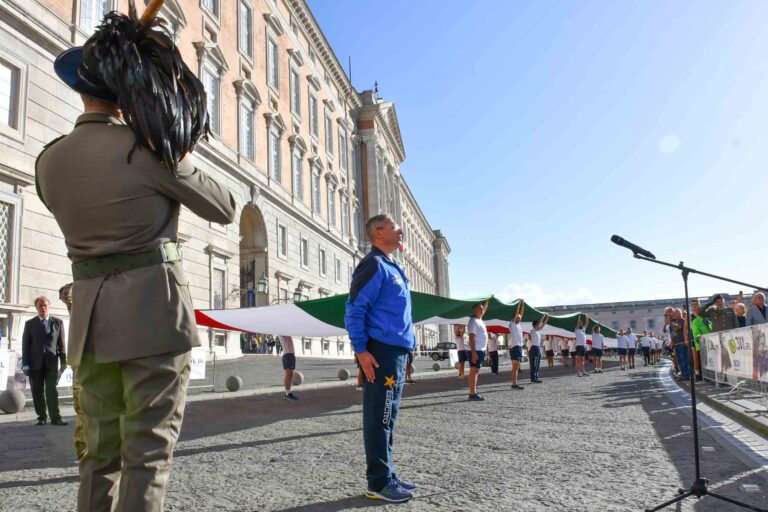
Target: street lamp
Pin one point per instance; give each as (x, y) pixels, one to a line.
(262, 285)
(298, 294)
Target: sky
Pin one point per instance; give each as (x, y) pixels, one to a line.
(535, 130)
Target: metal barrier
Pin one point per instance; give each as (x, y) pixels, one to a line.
(738, 358)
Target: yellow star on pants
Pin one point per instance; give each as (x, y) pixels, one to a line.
(389, 382)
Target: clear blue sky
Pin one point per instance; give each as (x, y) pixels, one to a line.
(536, 130)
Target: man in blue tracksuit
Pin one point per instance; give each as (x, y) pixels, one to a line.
(378, 320)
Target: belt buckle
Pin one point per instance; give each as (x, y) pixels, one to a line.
(163, 253)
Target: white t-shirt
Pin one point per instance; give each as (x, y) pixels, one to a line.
(548, 343)
(597, 340)
(572, 345)
(459, 340)
(493, 346)
(535, 338)
(645, 341)
(287, 343)
(581, 338)
(655, 343)
(621, 341)
(563, 344)
(631, 341)
(516, 333)
(477, 327)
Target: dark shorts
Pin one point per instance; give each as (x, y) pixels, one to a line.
(622, 351)
(632, 351)
(564, 353)
(462, 356)
(550, 353)
(480, 358)
(581, 350)
(573, 353)
(597, 352)
(289, 361)
(516, 353)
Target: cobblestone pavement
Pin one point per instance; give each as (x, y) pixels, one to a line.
(611, 442)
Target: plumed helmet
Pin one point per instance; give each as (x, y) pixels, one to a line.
(135, 63)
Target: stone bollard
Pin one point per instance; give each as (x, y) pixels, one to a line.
(234, 383)
(298, 378)
(12, 401)
(436, 367)
(343, 374)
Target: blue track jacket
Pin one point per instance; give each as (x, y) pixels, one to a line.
(379, 304)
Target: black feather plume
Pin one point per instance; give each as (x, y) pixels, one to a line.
(162, 101)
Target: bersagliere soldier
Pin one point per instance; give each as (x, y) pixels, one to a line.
(115, 185)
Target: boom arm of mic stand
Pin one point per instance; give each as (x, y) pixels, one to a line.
(690, 270)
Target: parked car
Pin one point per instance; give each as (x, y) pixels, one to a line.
(440, 352)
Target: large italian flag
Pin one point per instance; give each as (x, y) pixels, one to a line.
(325, 317)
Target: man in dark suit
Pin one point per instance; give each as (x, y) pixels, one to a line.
(43, 355)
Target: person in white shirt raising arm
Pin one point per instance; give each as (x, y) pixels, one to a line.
(478, 340)
(581, 346)
(516, 343)
(598, 341)
(534, 351)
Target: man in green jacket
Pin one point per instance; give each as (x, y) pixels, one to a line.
(699, 325)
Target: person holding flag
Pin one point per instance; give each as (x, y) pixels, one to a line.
(581, 346)
(478, 341)
(516, 343)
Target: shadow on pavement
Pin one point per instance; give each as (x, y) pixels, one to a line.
(673, 427)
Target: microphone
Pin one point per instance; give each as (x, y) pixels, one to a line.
(632, 247)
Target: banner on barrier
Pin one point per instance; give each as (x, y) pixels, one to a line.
(66, 378)
(5, 368)
(711, 345)
(197, 363)
(736, 352)
(760, 357)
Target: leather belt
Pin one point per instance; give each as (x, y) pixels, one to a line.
(116, 263)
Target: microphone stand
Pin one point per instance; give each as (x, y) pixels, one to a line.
(699, 486)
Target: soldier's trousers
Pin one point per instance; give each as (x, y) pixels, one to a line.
(132, 418)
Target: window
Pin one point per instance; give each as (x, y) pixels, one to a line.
(323, 263)
(245, 29)
(219, 288)
(246, 130)
(312, 55)
(342, 148)
(633, 324)
(328, 133)
(282, 241)
(331, 204)
(273, 69)
(651, 323)
(298, 186)
(9, 95)
(338, 271)
(316, 191)
(211, 83)
(91, 14)
(313, 122)
(212, 6)
(295, 93)
(345, 216)
(304, 248)
(274, 154)
(294, 27)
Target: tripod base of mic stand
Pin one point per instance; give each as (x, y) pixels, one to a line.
(699, 490)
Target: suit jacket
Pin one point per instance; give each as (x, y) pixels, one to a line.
(755, 317)
(106, 205)
(41, 349)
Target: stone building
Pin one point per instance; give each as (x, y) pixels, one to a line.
(306, 156)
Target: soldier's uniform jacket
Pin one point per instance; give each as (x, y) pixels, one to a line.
(105, 205)
(721, 319)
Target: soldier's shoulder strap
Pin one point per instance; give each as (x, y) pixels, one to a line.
(37, 180)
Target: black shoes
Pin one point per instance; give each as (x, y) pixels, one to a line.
(59, 423)
(41, 421)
